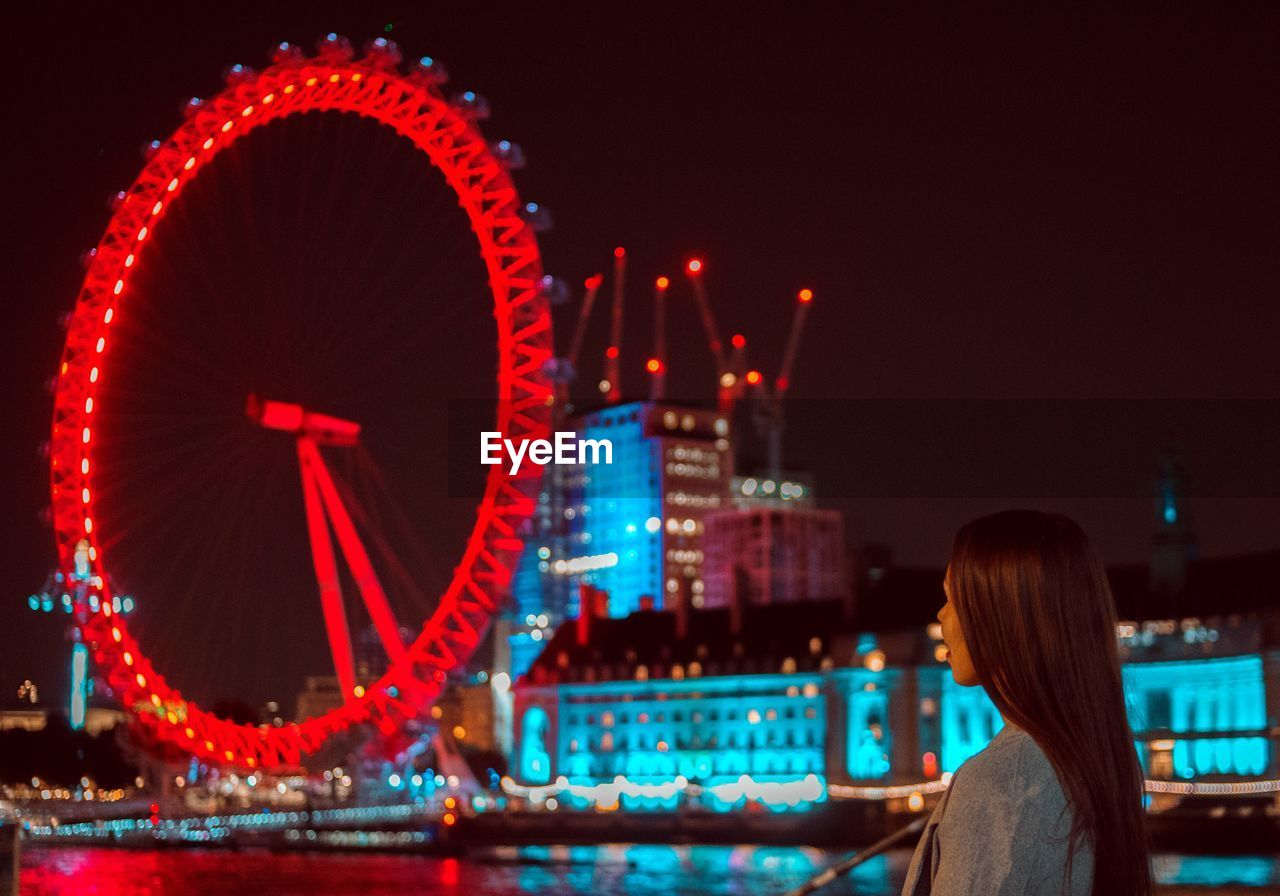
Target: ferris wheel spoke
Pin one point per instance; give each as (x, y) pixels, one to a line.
(375, 598)
(326, 567)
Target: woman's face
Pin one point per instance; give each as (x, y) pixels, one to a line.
(953, 636)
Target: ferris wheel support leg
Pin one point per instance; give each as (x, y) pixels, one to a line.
(326, 567)
(375, 599)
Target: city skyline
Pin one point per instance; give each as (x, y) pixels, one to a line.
(902, 288)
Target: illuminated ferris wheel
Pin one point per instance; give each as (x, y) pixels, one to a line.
(185, 395)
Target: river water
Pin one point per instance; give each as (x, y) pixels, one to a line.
(608, 870)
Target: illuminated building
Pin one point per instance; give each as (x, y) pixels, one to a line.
(60, 593)
(371, 662)
(631, 529)
(789, 490)
(777, 554)
(655, 714)
(772, 699)
(97, 719)
(1174, 544)
(321, 695)
(466, 711)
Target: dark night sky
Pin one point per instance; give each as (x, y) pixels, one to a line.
(1036, 206)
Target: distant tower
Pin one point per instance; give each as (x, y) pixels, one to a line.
(1174, 544)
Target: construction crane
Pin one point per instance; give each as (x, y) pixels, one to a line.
(724, 375)
(657, 365)
(564, 370)
(733, 376)
(768, 405)
(611, 385)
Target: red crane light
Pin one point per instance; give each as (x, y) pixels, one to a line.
(663, 283)
(754, 377)
(695, 265)
(594, 281)
(739, 340)
(806, 295)
(653, 365)
(611, 352)
(619, 252)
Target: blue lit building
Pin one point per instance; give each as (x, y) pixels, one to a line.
(631, 529)
(764, 702)
(59, 595)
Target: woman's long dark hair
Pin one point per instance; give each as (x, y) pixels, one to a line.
(1040, 623)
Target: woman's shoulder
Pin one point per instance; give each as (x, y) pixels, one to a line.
(1012, 768)
(1004, 824)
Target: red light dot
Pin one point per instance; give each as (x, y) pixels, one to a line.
(611, 352)
(653, 366)
(663, 283)
(594, 281)
(739, 340)
(695, 265)
(619, 252)
(806, 295)
(753, 377)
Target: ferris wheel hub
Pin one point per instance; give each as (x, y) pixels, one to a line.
(294, 418)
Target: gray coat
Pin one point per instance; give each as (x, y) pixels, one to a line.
(1001, 829)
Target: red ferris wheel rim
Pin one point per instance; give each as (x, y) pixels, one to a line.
(413, 106)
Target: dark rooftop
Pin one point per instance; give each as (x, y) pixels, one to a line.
(888, 600)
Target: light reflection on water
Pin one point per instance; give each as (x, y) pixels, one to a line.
(609, 870)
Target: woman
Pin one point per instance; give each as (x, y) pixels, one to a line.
(1053, 805)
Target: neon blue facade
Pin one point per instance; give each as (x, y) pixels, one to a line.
(969, 720)
(631, 528)
(708, 731)
(79, 685)
(534, 591)
(535, 761)
(611, 517)
(1181, 702)
(857, 725)
(607, 516)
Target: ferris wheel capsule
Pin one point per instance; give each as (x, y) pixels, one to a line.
(431, 69)
(115, 199)
(236, 73)
(333, 47)
(382, 52)
(536, 216)
(472, 104)
(554, 288)
(87, 256)
(559, 370)
(509, 154)
(149, 149)
(285, 52)
(190, 106)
